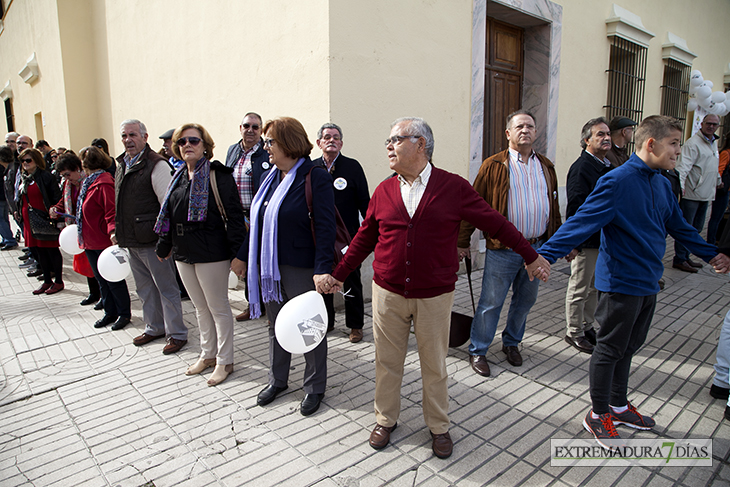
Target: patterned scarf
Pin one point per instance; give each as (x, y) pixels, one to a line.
(267, 235)
(68, 201)
(88, 181)
(25, 181)
(198, 201)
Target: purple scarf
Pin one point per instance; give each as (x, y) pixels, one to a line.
(198, 201)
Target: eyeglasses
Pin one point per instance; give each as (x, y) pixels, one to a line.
(26, 161)
(247, 126)
(396, 139)
(268, 142)
(194, 141)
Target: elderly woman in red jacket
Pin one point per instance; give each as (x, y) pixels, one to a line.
(95, 212)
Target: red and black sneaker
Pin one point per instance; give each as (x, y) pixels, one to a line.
(601, 428)
(632, 418)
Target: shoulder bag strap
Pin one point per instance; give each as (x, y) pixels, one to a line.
(308, 196)
(217, 196)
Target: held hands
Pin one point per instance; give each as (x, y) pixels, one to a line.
(721, 263)
(238, 267)
(540, 269)
(326, 284)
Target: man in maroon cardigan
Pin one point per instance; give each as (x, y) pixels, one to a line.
(412, 224)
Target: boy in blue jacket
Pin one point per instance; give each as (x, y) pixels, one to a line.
(635, 208)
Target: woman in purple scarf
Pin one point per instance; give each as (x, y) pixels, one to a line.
(280, 254)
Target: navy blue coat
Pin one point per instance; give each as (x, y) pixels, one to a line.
(295, 243)
(259, 162)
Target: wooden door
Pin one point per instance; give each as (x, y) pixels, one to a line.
(504, 72)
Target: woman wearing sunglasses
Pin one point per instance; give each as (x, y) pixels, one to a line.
(203, 240)
(38, 190)
(282, 259)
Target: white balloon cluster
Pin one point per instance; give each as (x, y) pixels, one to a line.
(701, 95)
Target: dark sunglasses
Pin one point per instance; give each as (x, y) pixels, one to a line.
(26, 161)
(194, 141)
(249, 126)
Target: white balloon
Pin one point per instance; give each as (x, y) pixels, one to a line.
(718, 97)
(694, 82)
(113, 264)
(696, 73)
(727, 98)
(704, 91)
(709, 83)
(301, 323)
(232, 280)
(692, 105)
(693, 91)
(718, 109)
(68, 240)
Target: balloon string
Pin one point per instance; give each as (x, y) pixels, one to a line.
(347, 294)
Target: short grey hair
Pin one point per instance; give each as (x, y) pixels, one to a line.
(328, 125)
(134, 121)
(419, 127)
(585, 132)
(253, 114)
(14, 134)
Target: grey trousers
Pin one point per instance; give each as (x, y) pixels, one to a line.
(160, 295)
(295, 281)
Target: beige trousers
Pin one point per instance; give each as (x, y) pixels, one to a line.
(581, 297)
(207, 286)
(392, 317)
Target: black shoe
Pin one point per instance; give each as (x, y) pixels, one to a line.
(311, 403)
(580, 343)
(727, 413)
(591, 336)
(9, 247)
(268, 395)
(121, 322)
(99, 305)
(35, 273)
(105, 321)
(24, 257)
(90, 299)
(719, 392)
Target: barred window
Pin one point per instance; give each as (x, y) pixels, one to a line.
(9, 115)
(626, 77)
(675, 90)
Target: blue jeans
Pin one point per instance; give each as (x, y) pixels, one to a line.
(502, 269)
(722, 362)
(694, 212)
(5, 232)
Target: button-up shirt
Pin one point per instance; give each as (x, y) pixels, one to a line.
(412, 193)
(529, 203)
(243, 174)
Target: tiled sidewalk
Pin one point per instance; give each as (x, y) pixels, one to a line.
(84, 407)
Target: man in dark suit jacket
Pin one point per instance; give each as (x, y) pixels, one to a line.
(351, 199)
(249, 161)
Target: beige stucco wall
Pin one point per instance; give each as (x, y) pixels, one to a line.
(177, 61)
(19, 40)
(395, 59)
(585, 54)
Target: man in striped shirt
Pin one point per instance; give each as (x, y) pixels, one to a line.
(523, 187)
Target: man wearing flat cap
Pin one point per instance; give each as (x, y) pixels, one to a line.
(622, 131)
(166, 150)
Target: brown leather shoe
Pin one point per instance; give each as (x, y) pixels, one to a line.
(694, 263)
(685, 266)
(245, 316)
(173, 346)
(380, 437)
(513, 355)
(581, 344)
(479, 365)
(145, 338)
(442, 445)
(355, 335)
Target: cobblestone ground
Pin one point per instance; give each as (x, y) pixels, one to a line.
(84, 407)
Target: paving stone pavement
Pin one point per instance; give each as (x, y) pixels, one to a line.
(84, 407)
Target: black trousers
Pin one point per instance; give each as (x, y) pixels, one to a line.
(50, 260)
(624, 324)
(354, 306)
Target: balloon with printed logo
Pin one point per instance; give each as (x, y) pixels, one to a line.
(696, 77)
(301, 323)
(113, 264)
(719, 109)
(68, 240)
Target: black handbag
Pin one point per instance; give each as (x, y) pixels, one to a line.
(460, 330)
(41, 225)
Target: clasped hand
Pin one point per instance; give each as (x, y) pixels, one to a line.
(326, 284)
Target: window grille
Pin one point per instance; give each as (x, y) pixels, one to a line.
(626, 78)
(675, 90)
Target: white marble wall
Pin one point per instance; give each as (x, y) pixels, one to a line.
(542, 21)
